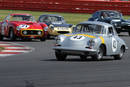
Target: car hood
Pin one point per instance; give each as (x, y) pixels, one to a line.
(78, 39)
(32, 25)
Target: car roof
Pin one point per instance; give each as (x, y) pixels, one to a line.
(21, 14)
(51, 15)
(97, 23)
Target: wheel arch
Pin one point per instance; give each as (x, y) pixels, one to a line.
(123, 46)
(104, 48)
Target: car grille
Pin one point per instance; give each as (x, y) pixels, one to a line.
(31, 32)
(63, 32)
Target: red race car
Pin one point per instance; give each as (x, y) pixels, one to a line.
(22, 26)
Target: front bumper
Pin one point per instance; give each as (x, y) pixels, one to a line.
(75, 51)
(30, 33)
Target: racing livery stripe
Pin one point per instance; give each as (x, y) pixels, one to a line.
(86, 35)
(102, 39)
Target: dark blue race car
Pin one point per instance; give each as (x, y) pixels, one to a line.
(112, 17)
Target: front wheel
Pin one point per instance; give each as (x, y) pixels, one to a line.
(12, 35)
(1, 37)
(99, 54)
(120, 55)
(60, 56)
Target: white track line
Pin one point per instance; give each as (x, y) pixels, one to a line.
(18, 48)
(4, 55)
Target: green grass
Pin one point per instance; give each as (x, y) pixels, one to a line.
(2, 48)
(72, 18)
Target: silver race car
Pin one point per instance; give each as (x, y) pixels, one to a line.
(95, 39)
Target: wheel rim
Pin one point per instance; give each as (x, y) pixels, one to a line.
(11, 34)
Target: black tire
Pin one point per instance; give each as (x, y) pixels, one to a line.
(99, 55)
(43, 39)
(1, 37)
(48, 36)
(83, 57)
(129, 33)
(12, 35)
(26, 39)
(120, 55)
(60, 56)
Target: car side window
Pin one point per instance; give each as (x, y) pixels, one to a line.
(110, 31)
(95, 15)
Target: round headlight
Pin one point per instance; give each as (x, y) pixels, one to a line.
(91, 43)
(18, 28)
(45, 28)
(51, 27)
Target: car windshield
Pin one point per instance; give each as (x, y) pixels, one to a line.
(90, 28)
(22, 18)
(50, 19)
(111, 14)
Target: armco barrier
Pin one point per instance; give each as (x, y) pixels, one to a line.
(76, 6)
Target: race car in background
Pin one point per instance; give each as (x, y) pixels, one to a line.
(95, 39)
(112, 17)
(56, 23)
(22, 26)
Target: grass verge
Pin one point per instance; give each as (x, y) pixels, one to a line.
(72, 18)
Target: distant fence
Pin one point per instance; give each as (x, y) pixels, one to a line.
(73, 6)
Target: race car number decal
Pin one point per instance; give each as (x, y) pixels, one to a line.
(114, 45)
(77, 37)
(23, 26)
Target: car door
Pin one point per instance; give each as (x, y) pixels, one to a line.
(112, 41)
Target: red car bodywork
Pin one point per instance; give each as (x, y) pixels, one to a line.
(23, 28)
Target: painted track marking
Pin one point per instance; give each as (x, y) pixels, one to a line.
(13, 49)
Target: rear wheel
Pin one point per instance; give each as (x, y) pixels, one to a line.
(1, 37)
(60, 56)
(42, 38)
(99, 54)
(129, 33)
(12, 35)
(120, 55)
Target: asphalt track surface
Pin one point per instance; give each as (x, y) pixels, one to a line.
(40, 69)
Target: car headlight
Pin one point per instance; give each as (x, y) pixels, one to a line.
(59, 39)
(91, 43)
(18, 28)
(45, 28)
(51, 27)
